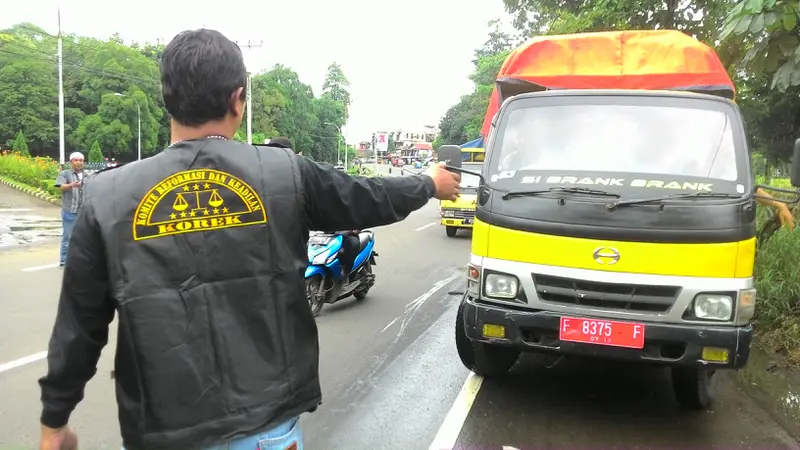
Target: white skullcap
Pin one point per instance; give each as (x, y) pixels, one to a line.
(75, 155)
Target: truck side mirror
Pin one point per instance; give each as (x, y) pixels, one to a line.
(794, 176)
(451, 155)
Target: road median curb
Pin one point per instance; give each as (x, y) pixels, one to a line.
(33, 192)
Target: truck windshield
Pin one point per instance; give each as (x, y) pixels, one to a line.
(640, 139)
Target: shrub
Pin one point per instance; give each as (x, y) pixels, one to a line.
(21, 144)
(777, 277)
(38, 173)
(95, 154)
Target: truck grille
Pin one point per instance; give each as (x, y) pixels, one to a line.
(624, 297)
(461, 214)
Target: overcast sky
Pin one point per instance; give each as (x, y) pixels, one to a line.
(407, 61)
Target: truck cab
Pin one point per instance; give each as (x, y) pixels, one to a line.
(615, 223)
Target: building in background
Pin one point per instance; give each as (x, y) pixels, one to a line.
(416, 143)
(408, 143)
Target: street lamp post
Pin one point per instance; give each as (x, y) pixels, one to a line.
(338, 157)
(139, 123)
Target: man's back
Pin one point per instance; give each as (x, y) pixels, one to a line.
(211, 329)
(201, 250)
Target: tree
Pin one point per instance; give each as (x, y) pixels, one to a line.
(330, 116)
(770, 30)
(95, 71)
(95, 154)
(21, 144)
(335, 85)
(28, 85)
(700, 18)
(295, 117)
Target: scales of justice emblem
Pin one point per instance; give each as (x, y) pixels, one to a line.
(198, 200)
(210, 207)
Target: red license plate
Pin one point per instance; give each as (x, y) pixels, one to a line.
(602, 332)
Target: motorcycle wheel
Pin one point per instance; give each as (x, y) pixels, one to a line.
(361, 294)
(315, 292)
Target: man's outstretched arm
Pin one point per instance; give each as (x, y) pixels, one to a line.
(81, 328)
(337, 201)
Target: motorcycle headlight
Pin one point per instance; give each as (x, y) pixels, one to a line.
(320, 259)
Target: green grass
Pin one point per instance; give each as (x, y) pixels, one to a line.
(777, 276)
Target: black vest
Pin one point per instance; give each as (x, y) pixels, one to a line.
(206, 244)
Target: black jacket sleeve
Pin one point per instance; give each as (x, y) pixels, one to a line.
(85, 311)
(337, 201)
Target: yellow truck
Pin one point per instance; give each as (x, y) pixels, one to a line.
(615, 212)
(460, 213)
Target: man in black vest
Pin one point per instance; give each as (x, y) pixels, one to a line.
(201, 252)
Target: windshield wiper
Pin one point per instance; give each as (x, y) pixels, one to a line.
(643, 201)
(568, 190)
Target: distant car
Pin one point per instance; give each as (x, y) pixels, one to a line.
(339, 168)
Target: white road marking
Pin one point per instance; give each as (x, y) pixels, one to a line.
(426, 226)
(451, 427)
(35, 268)
(390, 324)
(415, 304)
(14, 210)
(23, 361)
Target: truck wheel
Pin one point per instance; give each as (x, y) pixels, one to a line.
(695, 388)
(451, 231)
(483, 359)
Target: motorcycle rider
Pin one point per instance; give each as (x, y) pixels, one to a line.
(347, 256)
(165, 267)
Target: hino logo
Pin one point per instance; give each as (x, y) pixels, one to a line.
(606, 255)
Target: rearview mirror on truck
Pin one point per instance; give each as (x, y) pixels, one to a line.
(794, 179)
(451, 155)
(794, 176)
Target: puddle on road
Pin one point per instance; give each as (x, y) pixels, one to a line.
(777, 388)
(19, 227)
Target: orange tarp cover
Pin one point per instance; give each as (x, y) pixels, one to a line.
(654, 59)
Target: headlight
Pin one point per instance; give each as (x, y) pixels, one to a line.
(501, 286)
(320, 260)
(449, 213)
(713, 307)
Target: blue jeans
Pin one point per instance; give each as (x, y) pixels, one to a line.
(287, 436)
(68, 223)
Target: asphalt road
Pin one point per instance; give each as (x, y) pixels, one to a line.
(390, 375)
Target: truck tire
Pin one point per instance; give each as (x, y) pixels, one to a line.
(451, 231)
(695, 388)
(483, 359)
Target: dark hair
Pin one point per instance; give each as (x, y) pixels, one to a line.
(280, 141)
(200, 69)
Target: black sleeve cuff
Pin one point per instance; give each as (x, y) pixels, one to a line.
(54, 419)
(430, 186)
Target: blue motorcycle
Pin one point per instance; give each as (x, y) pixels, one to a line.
(327, 277)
